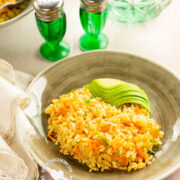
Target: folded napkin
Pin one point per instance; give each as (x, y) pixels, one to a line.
(11, 166)
(7, 72)
(11, 97)
(15, 160)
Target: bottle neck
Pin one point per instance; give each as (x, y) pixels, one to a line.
(93, 8)
(49, 16)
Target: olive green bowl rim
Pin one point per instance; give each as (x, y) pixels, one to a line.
(168, 69)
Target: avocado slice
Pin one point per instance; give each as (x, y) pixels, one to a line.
(116, 95)
(117, 92)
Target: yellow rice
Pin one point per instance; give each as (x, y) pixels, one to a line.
(10, 12)
(2, 2)
(100, 135)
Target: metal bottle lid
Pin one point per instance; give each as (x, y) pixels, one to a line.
(94, 6)
(48, 10)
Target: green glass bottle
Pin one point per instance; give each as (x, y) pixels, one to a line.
(51, 22)
(93, 15)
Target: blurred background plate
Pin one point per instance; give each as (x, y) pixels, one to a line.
(27, 10)
(161, 85)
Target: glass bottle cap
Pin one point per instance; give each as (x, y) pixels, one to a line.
(94, 6)
(48, 10)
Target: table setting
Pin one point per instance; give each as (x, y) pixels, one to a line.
(52, 49)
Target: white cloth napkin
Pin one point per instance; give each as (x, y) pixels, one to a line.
(11, 97)
(15, 160)
(11, 166)
(7, 72)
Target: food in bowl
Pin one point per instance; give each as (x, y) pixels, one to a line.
(10, 12)
(106, 124)
(2, 2)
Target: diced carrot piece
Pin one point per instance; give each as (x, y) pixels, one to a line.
(116, 156)
(105, 128)
(63, 110)
(123, 161)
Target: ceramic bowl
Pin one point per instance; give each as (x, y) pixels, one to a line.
(161, 85)
(27, 10)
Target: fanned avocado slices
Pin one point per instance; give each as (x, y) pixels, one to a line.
(117, 92)
(111, 95)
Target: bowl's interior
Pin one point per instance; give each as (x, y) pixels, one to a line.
(161, 86)
(28, 9)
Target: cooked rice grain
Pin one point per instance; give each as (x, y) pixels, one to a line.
(100, 135)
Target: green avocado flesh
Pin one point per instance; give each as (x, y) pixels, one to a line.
(117, 92)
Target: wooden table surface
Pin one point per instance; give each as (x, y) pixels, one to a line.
(158, 40)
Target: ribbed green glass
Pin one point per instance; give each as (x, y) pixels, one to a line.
(93, 23)
(135, 11)
(53, 32)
